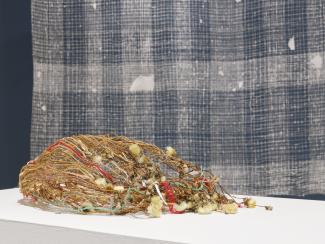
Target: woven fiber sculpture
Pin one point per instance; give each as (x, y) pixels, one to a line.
(117, 175)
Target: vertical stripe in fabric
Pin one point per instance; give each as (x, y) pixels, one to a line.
(297, 87)
(297, 109)
(74, 60)
(199, 99)
(256, 98)
(164, 60)
(113, 95)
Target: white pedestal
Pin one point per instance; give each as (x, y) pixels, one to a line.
(291, 221)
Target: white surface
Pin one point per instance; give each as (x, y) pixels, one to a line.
(291, 221)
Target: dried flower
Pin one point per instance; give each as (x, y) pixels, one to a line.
(230, 208)
(97, 159)
(196, 197)
(207, 209)
(181, 207)
(215, 196)
(269, 208)
(213, 206)
(154, 209)
(171, 152)
(203, 210)
(250, 203)
(135, 150)
(118, 188)
(189, 205)
(101, 182)
(143, 159)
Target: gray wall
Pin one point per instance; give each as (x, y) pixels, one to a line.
(15, 88)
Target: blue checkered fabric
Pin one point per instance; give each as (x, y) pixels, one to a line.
(237, 86)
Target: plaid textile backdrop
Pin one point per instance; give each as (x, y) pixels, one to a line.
(235, 85)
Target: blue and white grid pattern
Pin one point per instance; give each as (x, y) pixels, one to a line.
(237, 86)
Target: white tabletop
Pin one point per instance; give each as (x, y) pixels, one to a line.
(291, 221)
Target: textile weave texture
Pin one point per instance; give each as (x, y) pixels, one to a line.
(237, 86)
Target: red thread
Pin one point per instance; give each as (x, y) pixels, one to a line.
(80, 156)
(104, 173)
(170, 197)
(206, 182)
(51, 148)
